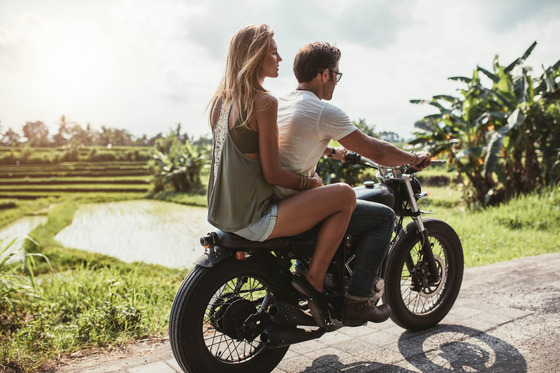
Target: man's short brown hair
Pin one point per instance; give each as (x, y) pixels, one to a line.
(313, 58)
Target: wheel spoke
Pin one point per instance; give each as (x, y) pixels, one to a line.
(419, 296)
(221, 345)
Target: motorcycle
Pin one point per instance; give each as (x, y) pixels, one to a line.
(236, 311)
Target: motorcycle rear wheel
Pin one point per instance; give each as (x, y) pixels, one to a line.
(416, 302)
(206, 314)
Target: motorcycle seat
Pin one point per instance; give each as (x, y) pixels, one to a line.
(233, 241)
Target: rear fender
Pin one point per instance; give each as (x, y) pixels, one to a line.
(213, 257)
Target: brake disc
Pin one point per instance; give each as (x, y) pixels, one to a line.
(431, 289)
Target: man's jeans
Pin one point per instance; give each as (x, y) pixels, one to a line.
(372, 223)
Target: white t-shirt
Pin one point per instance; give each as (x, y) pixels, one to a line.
(306, 125)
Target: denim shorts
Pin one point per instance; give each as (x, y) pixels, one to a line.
(262, 228)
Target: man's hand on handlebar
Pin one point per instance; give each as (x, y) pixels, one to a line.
(424, 161)
(340, 153)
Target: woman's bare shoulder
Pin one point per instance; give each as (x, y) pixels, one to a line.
(265, 99)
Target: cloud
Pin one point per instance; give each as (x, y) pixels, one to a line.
(363, 22)
(505, 15)
(212, 24)
(371, 23)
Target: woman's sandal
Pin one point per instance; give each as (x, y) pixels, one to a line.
(317, 302)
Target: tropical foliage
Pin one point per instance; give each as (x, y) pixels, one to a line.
(178, 166)
(14, 285)
(502, 136)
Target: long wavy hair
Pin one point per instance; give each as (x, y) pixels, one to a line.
(242, 79)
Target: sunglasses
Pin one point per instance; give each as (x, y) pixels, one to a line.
(338, 75)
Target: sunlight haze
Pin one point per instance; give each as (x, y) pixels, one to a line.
(145, 66)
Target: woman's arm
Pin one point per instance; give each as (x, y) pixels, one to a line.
(266, 112)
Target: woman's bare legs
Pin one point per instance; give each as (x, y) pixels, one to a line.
(333, 205)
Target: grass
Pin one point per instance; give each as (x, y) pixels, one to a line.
(73, 187)
(526, 226)
(25, 182)
(54, 155)
(79, 299)
(78, 165)
(7, 204)
(73, 173)
(76, 180)
(188, 199)
(55, 195)
(81, 165)
(14, 209)
(86, 307)
(442, 198)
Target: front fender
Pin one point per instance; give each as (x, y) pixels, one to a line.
(212, 257)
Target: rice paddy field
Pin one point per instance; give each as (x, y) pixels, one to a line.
(153, 232)
(32, 181)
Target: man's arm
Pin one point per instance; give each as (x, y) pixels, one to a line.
(336, 153)
(383, 152)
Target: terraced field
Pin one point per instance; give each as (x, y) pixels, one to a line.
(38, 181)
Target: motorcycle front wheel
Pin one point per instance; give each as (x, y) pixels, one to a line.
(417, 300)
(207, 316)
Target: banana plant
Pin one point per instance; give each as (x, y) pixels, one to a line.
(459, 132)
(485, 131)
(178, 168)
(521, 151)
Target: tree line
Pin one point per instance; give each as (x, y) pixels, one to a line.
(37, 134)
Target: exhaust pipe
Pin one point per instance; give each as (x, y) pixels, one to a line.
(283, 313)
(281, 336)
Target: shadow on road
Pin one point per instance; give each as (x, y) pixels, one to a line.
(446, 348)
(456, 348)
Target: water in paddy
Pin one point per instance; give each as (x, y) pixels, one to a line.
(18, 231)
(139, 231)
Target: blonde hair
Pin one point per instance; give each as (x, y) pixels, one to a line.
(243, 76)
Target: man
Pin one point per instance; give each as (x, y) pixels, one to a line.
(307, 123)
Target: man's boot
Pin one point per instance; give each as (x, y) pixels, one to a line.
(357, 313)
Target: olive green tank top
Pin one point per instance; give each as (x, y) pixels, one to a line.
(238, 194)
(244, 137)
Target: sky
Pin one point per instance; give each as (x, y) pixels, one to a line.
(146, 66)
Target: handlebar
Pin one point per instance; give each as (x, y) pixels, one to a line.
(437, 162)
(354, 158)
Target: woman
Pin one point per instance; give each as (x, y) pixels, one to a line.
(245, 166)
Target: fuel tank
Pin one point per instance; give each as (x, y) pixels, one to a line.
(376, 192)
